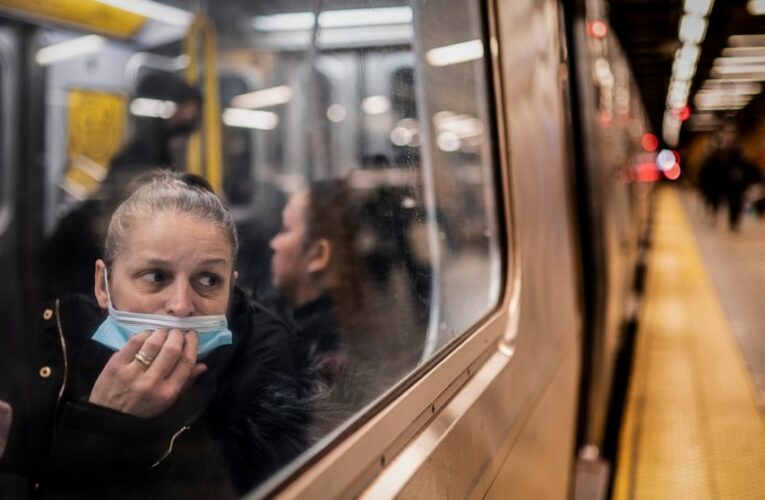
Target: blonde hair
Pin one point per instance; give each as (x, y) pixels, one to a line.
(167, 191)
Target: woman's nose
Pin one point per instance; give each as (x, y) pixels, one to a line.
(181, 301)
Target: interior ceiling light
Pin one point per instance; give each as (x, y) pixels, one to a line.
(344, 18)
(692, 29)
(743, 52)
(152, 108)
(745, 77)
(455, 53)
(263, 98)
(689, 52)
(683, 70)
(154, 10)
(248, 118)
(721, 107)
(738, 70)
(702, 99)
(733, 61)
(698, 7)
(70, 49)
(756, 7)
(746, 41)
(733, 87)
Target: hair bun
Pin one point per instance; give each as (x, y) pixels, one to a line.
(196, 181)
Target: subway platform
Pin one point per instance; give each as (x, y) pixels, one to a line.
(694, 426)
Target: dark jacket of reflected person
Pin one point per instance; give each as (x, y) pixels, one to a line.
(69, 253)
(151, 420)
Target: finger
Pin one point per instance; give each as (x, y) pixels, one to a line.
(187, 363)
(153, 345)
(171, 351)
(128, 351)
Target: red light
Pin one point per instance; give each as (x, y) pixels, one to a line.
(673, 173)
(649, 142)
(684, 113)
(646, 172)
(597, 28)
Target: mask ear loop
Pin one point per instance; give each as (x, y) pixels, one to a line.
(106, 283)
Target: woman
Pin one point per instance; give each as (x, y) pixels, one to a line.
(315, 274)
(185, 389)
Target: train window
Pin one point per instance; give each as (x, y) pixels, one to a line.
(5, 168)
(354, 153)
(5, 160)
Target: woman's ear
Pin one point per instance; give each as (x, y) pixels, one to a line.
(320, 256)
(99, 285)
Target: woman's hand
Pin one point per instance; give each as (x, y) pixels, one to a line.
(6, 415)
(147, 388)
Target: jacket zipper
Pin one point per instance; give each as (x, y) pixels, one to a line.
(172, 443)
(64, 351)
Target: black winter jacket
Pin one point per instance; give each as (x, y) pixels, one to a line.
(242, 419)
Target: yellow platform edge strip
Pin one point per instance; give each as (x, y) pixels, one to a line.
(692, 427)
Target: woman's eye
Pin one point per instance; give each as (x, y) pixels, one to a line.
(154, 277)
(209, 280)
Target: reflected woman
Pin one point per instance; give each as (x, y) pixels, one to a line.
(172, 384)
(314, 271)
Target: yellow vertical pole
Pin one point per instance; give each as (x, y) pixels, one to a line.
(193, 148)
(210, 137)
(212, 116)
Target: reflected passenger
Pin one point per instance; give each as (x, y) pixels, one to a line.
(171, 383)
(314, 271)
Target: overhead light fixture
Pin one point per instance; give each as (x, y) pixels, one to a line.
(375, 104)
(249, 118)
(152, 108)
(698, 7)
(683, 70)
(737, 61)
(692, 29)
(284, 22)
(731, 87)
(69, 49)
(722, 107)
(365, 17)
(756, 7)
(455, 53)
(746, 40)
(738, 70)
(702, 99)
(689, 52)
(263, 98)
(740, 78)
(344, 18)
(154, 10)
(743, 51)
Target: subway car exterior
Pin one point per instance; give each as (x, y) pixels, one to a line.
(502, 196)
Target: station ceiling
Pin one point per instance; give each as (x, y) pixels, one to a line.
(648, 32)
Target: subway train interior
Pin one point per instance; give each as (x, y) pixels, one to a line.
(479, 176)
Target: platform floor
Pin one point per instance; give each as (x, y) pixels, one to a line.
(693, 426)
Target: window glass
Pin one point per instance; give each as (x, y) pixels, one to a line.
(5, 167)
(354, 155)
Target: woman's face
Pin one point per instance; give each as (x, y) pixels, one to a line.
(289, 263)
(170, 264)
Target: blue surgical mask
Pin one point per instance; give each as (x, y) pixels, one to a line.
(119, 326)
